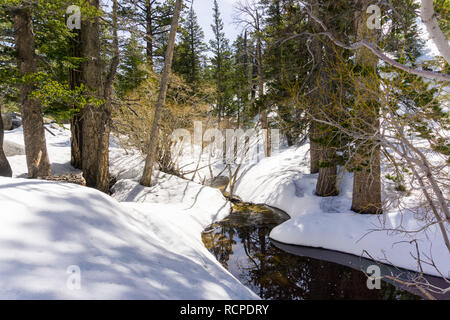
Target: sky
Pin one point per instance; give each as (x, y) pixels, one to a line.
(203, 9)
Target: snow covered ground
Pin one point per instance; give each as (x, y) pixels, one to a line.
(283, 181)
(146, 247)
(145, 243)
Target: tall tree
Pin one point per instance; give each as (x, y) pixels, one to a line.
(330, 99)
(33, 125)
(146, 179)
(97, 114)
(317, 57)
(149, 20)
(242, 82)
(131, 71)
(283, 61)
(221, 65)
(189, 52)
(76, 122)
(250, 15)
(367, 173)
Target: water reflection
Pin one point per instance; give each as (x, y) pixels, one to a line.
(241, 244)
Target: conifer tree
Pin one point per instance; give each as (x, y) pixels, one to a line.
(131, 71)
(189, 52)
(221, 65)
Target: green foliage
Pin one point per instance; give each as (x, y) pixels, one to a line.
(442, 10)
(131, 71)
(53, 55)
(221, 67)
(190, 51)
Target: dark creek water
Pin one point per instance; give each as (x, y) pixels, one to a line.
(241, 244)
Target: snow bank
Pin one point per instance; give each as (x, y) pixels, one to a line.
(130, 250)
(58, 146)
(206, 204)
(124, 251)
(281, 181)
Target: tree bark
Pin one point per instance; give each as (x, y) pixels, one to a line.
(105, 130)
(33, 125)
(429, 19)
(5, 168)
(327, 181)
(154, 134)
(263, 112)
(367, 180)
(314, 147)
(95, 144)
(76, 123)
(149, 32)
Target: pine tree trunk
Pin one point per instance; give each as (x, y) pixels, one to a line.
(263, 112)
(95, 140)
(154, 134)
(33, 125)
(327, 181)
(5, 168)
(149, 32)
(367, 180)
(76, 141)
(314, 148)
(76, 125)
(317, 52)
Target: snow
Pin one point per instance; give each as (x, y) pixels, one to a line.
(58, 147)
(146, 247)
(145, 242)
(283, 181)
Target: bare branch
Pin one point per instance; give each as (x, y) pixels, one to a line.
(377, 51)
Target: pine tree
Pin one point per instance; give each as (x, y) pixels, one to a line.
(131, 71)
(284, 61)
(221, 67)
(149, 20)
(33, 126)
(367, 159)
(242, 82)
(146, 179)
(189, 52)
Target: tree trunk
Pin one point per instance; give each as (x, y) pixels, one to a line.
(33, 125)
(154, 134)
(5, 168)
(314, 148)
(76, 141)
(367, 180)
(263, 112)
(95, 144)
(429, 19)
(103, 139)
(327, 181)
(76, 125)
(149, 32)
(317, 55)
